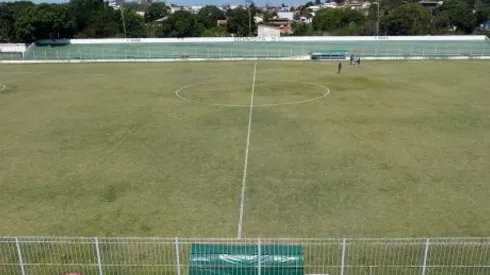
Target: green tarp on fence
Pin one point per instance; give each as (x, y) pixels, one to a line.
(220, 259)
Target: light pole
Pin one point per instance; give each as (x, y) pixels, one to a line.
(121, 7)
(249, 2)
(377, 19)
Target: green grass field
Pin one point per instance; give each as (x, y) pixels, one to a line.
(395, 149)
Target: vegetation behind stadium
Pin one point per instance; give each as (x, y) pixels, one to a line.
(27, 22)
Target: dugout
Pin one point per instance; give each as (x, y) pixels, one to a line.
(228, 259)
(329, 55)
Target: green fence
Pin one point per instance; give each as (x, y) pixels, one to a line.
(10, 56)
(257, 50)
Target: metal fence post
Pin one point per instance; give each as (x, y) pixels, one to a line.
(19, 254)
(342, 264)
(177, 255)
(426, 253)
(99, 258)
(259, 257)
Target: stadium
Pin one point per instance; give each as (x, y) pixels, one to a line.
(225, 156)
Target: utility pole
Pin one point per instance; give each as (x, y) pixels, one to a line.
(249, 2)
(120, 2)
(377, 19)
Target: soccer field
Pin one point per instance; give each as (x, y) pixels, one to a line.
(270, 149)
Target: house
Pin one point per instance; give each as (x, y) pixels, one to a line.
(141, 13)
(330, 5)
(258, 19)
(307, 20)
(286, 15)
(431, 4)
(173, 9)
(314, 8)
(356, 5)
(222, 22)
(161, 19)
(268, 31)
(114, 5)
(485, 25)
(284, 25)
(195, 9)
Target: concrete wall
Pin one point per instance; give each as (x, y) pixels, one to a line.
(267, 31)
(264, 39)
(12, 48)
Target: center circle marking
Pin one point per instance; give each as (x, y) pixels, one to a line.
(2, 86)
(325, 94)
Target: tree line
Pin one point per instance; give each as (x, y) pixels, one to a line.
(24, 22)
(400, 18)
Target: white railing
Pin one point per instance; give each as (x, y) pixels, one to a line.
(172, 256)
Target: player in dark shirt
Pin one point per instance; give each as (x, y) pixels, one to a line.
(339, 67)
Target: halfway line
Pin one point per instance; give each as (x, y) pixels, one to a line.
(245, 165)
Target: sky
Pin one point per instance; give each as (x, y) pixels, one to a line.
(201, 2)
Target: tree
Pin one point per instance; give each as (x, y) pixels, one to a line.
(339, 21)
(6, 24)
(181, 24)
(440, 23)
(135, 24)
(82, 11)
(9, 12)
(156, 11)
(411, 19)
(269, 15)
(460, 15)
(45, 21)
(318, 2)
(218, 31)
(133, 5)
(238, 21)
(105, 22)
(482, 14)
(302, 29)
(209, 15)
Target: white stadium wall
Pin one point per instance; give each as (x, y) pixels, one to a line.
(263, 39)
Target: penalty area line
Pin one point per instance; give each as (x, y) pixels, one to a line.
(245, 165)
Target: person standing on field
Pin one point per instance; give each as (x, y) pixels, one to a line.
(339, 67)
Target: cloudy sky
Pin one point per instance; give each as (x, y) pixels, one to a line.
(200, 2)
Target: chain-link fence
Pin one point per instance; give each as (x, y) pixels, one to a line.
(173, 256)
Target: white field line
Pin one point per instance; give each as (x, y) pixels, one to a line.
(245, 165)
